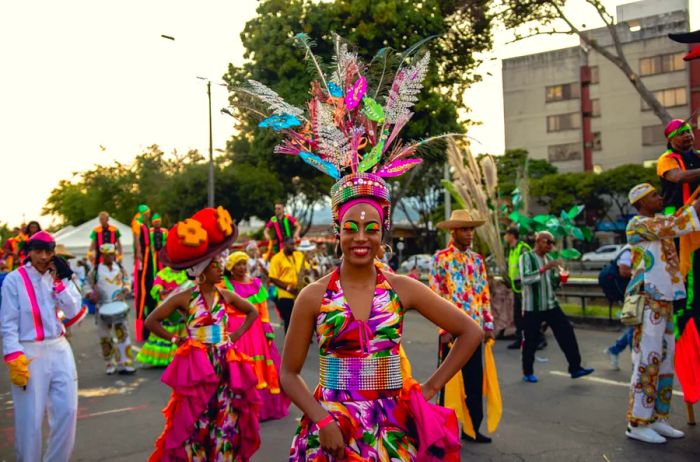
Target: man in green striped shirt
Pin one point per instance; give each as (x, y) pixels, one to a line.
(540, 277)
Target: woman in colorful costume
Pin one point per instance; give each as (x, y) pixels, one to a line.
(157, 351)
(364, 408)
(259, 341)
(213, 411)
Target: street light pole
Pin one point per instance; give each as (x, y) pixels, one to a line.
(210, 195)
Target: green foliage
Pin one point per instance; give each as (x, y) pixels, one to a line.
(514, 164)
(173, 185)
(463, 30)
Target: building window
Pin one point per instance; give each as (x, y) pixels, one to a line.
(595, 76)
(653, 135)
(564, 152)
(595, 107)
(597, 144)
(661, 64)
(562, 92)
(670, 97)
(561, 122)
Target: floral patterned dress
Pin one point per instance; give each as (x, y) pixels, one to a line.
(362, 387)
(212, 414)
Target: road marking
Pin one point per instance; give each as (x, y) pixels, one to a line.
(111, 411)
(603, 381)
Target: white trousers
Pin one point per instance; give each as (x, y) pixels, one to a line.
(52, 387)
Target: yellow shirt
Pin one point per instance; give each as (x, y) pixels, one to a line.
(286, 268)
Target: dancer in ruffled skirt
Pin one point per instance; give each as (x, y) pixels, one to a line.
(259, 341)
(213, 411)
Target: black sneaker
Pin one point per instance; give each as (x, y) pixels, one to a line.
(514, 346)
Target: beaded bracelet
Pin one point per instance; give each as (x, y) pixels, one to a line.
(325, 421)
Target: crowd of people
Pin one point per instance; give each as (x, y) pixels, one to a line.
(202, 300)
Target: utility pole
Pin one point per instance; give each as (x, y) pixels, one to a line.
(210, 186)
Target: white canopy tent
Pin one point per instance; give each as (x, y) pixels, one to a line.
(77, 239)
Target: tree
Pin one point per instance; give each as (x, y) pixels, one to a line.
(614, 185)
(544, 17)
(463, 29)
(512, 166)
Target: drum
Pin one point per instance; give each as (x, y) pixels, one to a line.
(114, 313)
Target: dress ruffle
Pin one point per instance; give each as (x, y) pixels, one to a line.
(266, 363)
(194, 380)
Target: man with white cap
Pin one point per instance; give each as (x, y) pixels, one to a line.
(40, 359)
(656, 276)
(105, 287)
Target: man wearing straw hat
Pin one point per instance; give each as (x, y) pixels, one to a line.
(458, 274)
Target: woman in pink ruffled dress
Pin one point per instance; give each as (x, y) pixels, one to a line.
(213, 411)
(259, 341)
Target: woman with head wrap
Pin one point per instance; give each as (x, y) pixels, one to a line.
(364, 408)
(259, 341)
(213, 412)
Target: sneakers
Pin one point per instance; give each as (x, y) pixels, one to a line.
(581, 372)
(530, 378)
(664, 429)
(126, 369)
(110, 369)
(613, 358)
(645, 434)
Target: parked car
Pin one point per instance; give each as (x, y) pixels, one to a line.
(600, 257)
(422, 261)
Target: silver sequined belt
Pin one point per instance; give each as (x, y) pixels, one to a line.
(370, 373)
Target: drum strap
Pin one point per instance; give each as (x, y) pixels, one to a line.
(36, 312)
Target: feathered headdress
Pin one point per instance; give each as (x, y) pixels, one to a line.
(345, 132)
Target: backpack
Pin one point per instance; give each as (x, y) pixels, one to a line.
(611, 282)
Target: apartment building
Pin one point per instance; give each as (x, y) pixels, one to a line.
(576, 109)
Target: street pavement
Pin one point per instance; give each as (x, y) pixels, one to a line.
(554, 420)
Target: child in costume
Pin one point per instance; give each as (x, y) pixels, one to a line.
(157, 351)
(213, 411)
(259, 341)
(364, 408)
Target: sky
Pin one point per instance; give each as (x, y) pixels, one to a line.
(88, 82)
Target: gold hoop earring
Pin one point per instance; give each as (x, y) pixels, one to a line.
(388, 250)
(337, 251)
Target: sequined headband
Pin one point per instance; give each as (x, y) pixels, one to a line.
(359, 185)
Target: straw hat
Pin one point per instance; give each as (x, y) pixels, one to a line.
(62, 251)
(461, 219)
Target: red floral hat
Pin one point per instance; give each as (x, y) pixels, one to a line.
(206, 234)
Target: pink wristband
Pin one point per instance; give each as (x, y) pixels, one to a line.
(325, 421)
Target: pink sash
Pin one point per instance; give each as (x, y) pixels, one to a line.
(36, 312)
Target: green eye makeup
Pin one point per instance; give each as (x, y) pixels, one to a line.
(372, 227)
(350, 226)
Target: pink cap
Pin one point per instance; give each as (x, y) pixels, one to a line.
(673, 126)
(42, 236)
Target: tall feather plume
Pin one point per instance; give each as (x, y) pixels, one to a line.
(333, 144)
(404, 91)
(488, 167)
(304, 41)
(268, 96)
(467, 175)
(345, 63)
